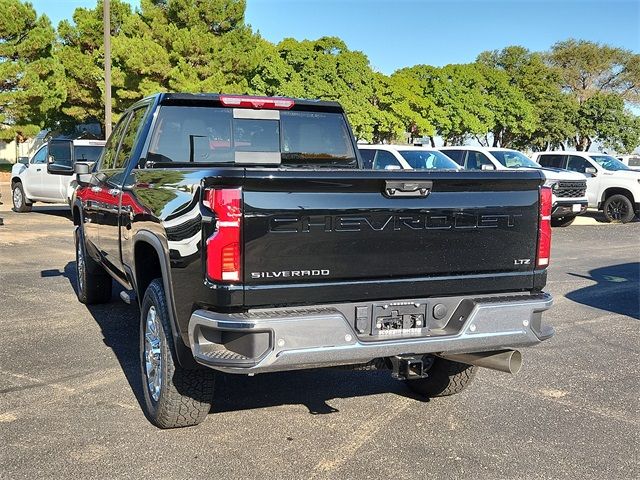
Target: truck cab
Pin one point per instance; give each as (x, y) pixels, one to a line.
(35, 181)
(568, 188)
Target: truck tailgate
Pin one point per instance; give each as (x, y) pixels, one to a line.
(355, 235)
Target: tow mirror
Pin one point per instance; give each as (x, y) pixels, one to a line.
(486, 166)
(81, 168)
(591, 171)
(58, 168)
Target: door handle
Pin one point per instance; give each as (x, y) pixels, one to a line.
(38, 169)
(406, 188)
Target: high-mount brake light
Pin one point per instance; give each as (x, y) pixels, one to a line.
(223, 247)
(257, 102)
(544, 229)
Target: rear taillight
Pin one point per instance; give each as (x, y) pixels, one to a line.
(257, 102)
(223, 247)
(544, 228)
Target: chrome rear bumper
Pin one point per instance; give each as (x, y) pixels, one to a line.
(288, 339)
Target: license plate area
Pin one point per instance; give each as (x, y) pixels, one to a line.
(576, 207)
(399, 319)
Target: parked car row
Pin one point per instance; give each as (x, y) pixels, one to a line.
(578, 179)
(612, 186)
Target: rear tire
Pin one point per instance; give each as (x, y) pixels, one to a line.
(94, 283)
(446, 377)
(173, 396)
(20, 202)
(618, 209)
(562, 222)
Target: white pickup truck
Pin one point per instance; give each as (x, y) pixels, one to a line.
(30, 181)
(612, 186)
(568, 188)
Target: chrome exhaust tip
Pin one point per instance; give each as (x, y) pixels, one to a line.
(508, 361)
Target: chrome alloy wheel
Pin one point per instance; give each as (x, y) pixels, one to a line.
(80, 264)
(152, 354)
(17, 198)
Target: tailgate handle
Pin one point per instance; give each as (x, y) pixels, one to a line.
(407, 188)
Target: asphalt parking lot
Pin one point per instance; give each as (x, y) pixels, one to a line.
(69, 388)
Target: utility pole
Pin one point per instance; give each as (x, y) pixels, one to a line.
(106, 21)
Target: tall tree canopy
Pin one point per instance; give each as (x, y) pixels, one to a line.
(323, 68)
(30, 77)
(588, 68)
(578, 93)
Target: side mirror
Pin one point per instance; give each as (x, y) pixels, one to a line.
(82, 168)
(393, 167)
(23, 160)
(591, 171)
(486, 166)
(58, 168)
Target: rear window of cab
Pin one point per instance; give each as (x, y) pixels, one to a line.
(223, 136)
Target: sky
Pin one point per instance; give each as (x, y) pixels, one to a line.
(400, 33)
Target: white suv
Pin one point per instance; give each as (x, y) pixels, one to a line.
(611, 185)
(30, 181)
(404, 157)
(569, 189)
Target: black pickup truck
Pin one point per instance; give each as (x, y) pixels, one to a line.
(254, 242)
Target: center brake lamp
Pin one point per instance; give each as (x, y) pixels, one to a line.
(257, 102)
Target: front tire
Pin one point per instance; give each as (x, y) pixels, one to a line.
(20, 202)
(446, 377)
(618, 209)
(562, 222)
(94, 283)
(174, 396)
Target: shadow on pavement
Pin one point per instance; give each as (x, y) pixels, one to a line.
(617, 290)
(311, 388)
(119, 325)
(62, 211)
(598, 216)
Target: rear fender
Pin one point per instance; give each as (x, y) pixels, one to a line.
(185, 357)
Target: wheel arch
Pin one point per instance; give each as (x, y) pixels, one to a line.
(16, 179)
(616, 191)
(77, 217)
(150, 261)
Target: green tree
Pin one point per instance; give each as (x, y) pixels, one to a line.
(588, 68)
(552, 112)
(324, 69)
(81, 52)
(412, 102)
(31, 86)
(600, 78)
(388, 127)
(513, 115)
(169, 45)
(602, 117)
(208, 46)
